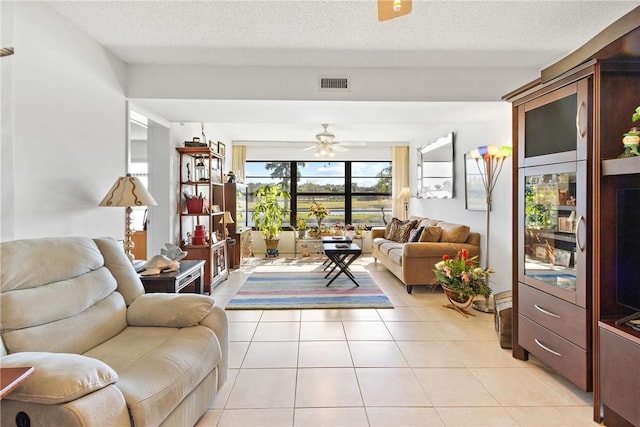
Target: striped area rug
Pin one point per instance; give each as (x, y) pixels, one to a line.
(270, 290)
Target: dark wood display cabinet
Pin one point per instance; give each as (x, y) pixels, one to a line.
(553, 282)
(201, 211)
(571, 221)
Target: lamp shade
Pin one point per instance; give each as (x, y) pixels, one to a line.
(226, 219)
(405, 193)
(128, 191)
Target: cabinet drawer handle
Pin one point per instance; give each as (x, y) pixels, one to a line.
(544, 347)
(548, 313)
(580, 221)
(582, 134)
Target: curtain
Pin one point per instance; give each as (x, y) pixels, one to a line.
(238, 159)
(400, 178)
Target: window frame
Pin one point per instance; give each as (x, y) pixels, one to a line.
(348, 194)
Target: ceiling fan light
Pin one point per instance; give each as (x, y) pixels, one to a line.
(397, 5)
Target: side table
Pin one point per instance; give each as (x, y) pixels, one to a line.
(190, 271)
(10, 378)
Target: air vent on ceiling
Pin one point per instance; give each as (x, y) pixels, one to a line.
(334, 83)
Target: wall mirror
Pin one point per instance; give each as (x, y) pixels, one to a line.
(435, 169)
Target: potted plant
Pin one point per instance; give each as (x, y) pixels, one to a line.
(462, 279)
(359, 229)
(301, 226)
(269, 214)
(319, 211)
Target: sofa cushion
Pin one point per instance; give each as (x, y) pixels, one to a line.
(454, 233)
(158, 367)
(414, 235)
(395, 255)
(172, 310)
(399, 230)
(428, 222)
(431, 234)
(388, 245)
(58, 377)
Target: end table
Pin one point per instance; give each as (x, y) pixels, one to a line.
(174, 281)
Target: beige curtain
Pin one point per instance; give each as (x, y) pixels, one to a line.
(400, 178)
(238, 160)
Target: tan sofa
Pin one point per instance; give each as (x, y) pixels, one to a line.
(413, 262)
(105, 353)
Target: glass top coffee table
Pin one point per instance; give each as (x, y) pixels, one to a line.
(341, 256)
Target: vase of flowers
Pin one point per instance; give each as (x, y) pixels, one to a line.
(462, 279)
(319, 211)
(359, 229)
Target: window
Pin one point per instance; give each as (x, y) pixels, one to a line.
(354, 192)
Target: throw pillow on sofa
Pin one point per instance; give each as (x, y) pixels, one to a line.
(414, 235)
(430, 234)
(454, 233)
(399, 230)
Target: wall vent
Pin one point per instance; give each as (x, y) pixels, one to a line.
(334, 83)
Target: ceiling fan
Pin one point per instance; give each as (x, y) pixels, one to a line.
(325, 144)
(389, 9)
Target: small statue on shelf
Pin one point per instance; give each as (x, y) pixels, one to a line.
(631, 139)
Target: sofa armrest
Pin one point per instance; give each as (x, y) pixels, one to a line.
(377, 232)
(58, 377)
(169, 310)
(435, 249)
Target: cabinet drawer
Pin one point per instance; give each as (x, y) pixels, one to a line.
(620, 378)
(559, 316)
(566, 358)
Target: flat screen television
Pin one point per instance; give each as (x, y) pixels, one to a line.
(628, 248)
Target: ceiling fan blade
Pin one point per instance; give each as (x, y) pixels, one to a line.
(313, 147)
(387, 11)
(339, 149)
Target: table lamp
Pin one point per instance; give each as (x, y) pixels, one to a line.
(126, 192)
(405, 193)
(226, 219)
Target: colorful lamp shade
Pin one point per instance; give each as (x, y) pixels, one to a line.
(489, 159)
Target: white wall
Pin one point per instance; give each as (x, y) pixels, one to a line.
(284, 153)
(495, 131)
(69, 130)
(367, 84)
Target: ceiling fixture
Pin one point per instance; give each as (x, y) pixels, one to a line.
(389, 9)
(325, 144)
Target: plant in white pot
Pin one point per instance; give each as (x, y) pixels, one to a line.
(269, 213)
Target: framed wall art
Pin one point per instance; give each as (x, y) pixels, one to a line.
(475, 195)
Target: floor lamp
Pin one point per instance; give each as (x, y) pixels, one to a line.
(126, 192)
(489, 159)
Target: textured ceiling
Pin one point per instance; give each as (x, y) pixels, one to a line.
(337, 34)
(342, 33)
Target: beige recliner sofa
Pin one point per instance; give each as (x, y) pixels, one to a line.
(413, 262)
(105, 353)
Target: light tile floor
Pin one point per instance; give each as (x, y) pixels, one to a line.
(419, 364)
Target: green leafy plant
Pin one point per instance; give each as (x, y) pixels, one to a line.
(636, 115)
(319, 211)
(462, 275)
(301, 224)
(269, 213)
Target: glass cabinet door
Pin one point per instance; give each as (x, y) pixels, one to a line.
(553, 239)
